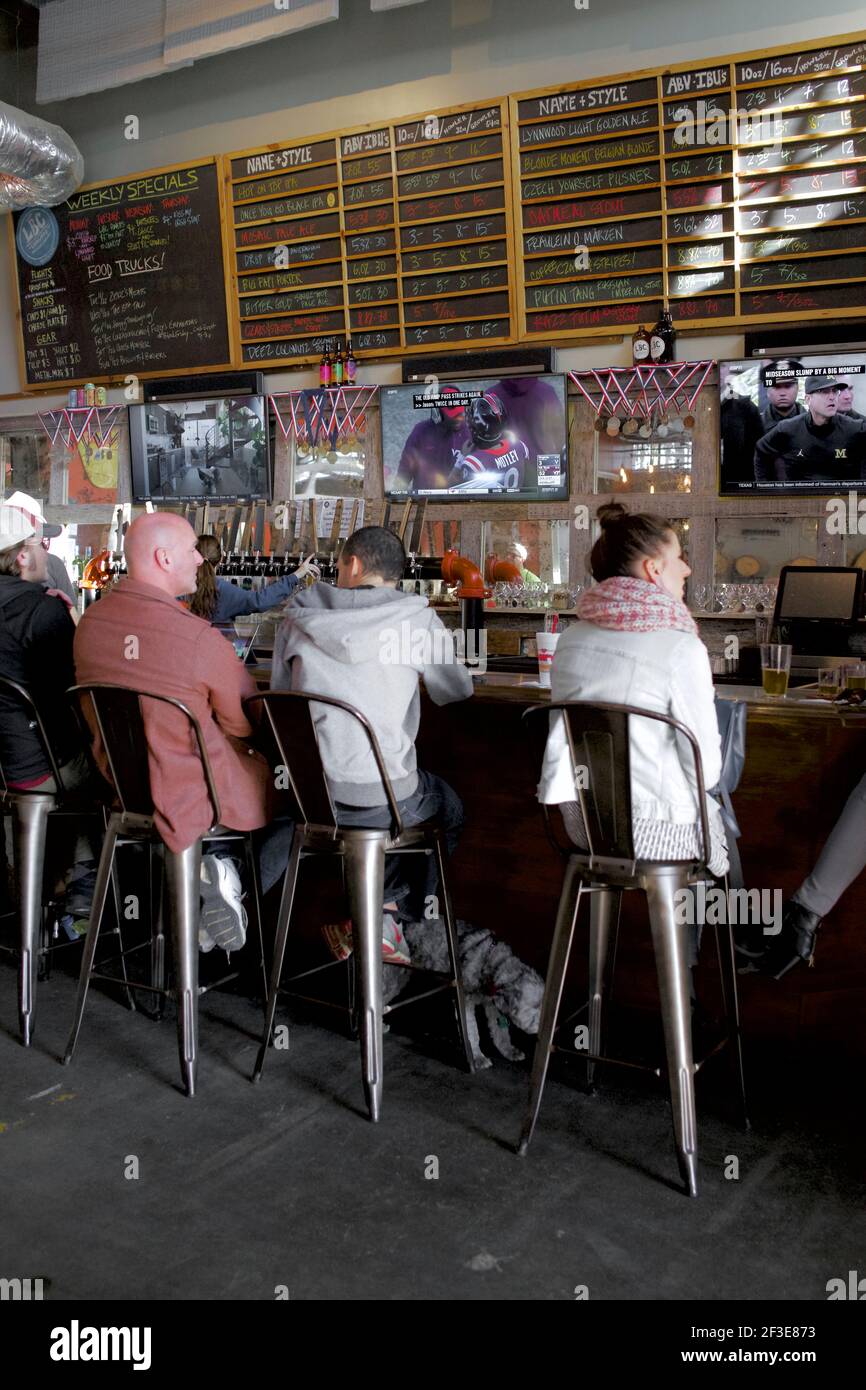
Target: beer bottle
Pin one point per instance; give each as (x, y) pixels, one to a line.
(338, 366)
(640, 346)
(663, 338)
(325, 367)
(351, 364)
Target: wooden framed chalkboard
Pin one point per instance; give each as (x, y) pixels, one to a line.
(399, 234)
(125, 277)
(733, 191)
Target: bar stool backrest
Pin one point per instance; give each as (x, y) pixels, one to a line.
(118, 719)
(597, 735)
(292, 722)
(15, 693)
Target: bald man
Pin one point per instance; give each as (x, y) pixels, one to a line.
(138, 635)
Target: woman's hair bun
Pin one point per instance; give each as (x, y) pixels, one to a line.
(611, 513)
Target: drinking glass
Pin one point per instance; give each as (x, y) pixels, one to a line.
(829, 682)
(775, 668)
(855, 676)
(700, 593)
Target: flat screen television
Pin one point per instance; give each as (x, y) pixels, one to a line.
(793, 426)
(198, 449)
(451, 440)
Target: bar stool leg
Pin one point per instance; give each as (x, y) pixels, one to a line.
(183, 878)
(566, 917)
(157, 937)
(451, 935)
(118, 932)
(256, 910)
(100, 894)
(29, 829)
(365, 881)
(669, 944)
(284, 917)
(604, 914)
(728, 978)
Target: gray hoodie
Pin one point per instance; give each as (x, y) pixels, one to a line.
(368, 647)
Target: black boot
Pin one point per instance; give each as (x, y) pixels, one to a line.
(795, 942)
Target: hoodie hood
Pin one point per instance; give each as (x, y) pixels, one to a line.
(348, 624)
(13, 588)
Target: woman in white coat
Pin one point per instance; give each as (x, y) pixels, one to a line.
(637, 644)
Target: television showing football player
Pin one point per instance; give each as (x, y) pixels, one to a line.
(534, 411)
(434, 447)
(496, 459)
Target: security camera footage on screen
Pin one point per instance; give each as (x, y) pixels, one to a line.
(197, 449)
(476, 439)
(793, 425)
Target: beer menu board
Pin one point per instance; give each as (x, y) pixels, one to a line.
(124, 277)
(731, 191)
(398, 235)
(287, 248)
(453, 221)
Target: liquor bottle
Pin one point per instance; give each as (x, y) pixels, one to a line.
(338, 367)
(325, 367)
(663, 338)
(351, 362)
(640, 346)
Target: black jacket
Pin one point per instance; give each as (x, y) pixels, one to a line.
(36, 635)
(798, 450)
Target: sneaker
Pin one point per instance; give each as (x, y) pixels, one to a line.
(338, 936)
(223, 920)
(394, 948)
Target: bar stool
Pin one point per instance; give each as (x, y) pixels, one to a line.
(362, 851)
(598, 743)
(30, 812)
(117, 717)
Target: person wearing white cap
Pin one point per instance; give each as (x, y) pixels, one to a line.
(58, 575)
(518, 554)
(36, 632)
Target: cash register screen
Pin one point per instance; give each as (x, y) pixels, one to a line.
(829, 594)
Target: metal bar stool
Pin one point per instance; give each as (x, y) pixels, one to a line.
(598, 742)
(293, 725)
(30, 812)
(118, 719)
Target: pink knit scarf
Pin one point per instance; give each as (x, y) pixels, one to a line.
(634, 605)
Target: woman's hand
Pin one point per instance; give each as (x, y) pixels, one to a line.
(308, 566)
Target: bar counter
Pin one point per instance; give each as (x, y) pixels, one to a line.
(803, 758)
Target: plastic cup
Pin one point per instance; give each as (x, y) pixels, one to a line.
(775, 669)
(546, 645)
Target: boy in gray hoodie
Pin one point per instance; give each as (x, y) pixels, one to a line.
(369, 644)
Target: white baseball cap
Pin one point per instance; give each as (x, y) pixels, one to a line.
(15, 528)
(33, 510)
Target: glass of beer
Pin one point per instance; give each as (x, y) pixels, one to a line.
(830, 682)
(855, 676)
(775, 668)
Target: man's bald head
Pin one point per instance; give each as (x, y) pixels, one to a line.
(160, 550)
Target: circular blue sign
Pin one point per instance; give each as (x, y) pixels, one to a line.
(37, 236)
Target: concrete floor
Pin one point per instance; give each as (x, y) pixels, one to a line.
(245, 1189)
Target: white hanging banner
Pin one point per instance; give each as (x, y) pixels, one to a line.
(199, 28)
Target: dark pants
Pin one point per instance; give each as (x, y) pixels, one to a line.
(410, 879)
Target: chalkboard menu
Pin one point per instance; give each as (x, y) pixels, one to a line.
(125, 277)
(730, 191)
(398, 235)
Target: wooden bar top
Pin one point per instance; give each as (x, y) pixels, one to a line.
(499, 687)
